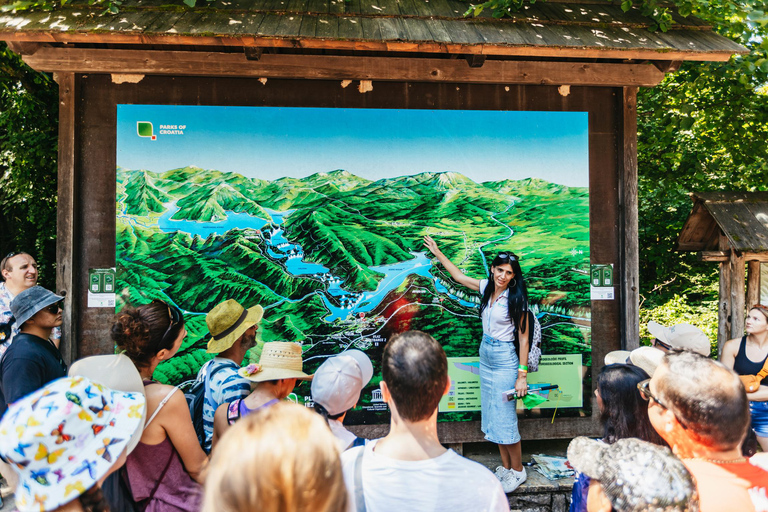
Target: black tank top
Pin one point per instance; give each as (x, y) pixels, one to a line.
(744, 366)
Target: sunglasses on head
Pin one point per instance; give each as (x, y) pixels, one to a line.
(54, 308)
(506, 256)
(174, 316)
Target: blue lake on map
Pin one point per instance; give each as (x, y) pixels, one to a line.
(280, 247)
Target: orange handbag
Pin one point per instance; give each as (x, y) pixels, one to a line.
(752, 382)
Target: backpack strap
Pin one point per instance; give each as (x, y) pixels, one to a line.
(233, 411)
(162, 404)
(359, 441)
(359, 493)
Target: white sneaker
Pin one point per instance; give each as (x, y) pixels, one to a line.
(500, 472)
(512, 479)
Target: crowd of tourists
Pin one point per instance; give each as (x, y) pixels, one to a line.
(681, 431)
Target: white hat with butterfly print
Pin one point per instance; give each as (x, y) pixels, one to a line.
(65, 438)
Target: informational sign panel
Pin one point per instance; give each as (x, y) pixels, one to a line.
(101, 288)
(319, 216)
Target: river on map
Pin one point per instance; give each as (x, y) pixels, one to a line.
(291, 255)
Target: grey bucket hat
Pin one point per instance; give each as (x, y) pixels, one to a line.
(26, 304)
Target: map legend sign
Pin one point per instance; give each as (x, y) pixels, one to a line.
(465, 385)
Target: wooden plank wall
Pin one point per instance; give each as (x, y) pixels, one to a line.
(94, 238)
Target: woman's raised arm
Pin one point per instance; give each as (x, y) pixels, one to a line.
(458, 275)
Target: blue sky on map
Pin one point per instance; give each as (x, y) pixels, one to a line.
(271, 142)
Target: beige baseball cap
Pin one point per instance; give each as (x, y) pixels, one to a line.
(685, 336)
(647, 358)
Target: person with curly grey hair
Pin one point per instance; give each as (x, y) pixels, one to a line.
(631, 475)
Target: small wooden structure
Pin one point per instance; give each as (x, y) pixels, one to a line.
(586, 56)
(730, 228)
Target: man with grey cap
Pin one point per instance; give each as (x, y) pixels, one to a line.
(233, 333)
(631, 475)
(32, 360)
(336, 389)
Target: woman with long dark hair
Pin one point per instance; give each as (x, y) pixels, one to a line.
(165, 469)
(503, 354)
(623, 414)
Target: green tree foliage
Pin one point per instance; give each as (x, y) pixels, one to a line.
(28, 146)
(703, 128)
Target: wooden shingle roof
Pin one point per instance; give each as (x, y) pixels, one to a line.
(741, 216)
(594, 30)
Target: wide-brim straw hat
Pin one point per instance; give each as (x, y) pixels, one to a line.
(279, 360)
(647, 358)
(117, 372)
(227, 322)
(616, 357)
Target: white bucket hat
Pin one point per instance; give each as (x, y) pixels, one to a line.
(63, 438)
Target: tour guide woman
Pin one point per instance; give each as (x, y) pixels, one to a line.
(504, 307)
(747, 356)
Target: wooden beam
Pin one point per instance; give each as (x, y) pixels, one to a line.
(753, 283)
(630, 248)
(24, 48)
(721, 256)
(79, 60)
(638, 54)
(737, 295)
(65, 220)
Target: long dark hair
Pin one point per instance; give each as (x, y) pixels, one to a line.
(625, 412)
(517, 301)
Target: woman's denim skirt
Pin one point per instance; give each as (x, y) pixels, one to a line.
(759, 412)
(498, 373)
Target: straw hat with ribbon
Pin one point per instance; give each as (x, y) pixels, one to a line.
(279, 360)
(228, 321)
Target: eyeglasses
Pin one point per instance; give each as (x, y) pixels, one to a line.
(54, 308)
(506, 256)
(644, 387)
(659, 343)
(174, 316)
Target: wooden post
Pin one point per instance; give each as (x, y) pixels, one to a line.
(753, 283)
(737, 295)
(65, 221)
(630, 250)
(724, 295)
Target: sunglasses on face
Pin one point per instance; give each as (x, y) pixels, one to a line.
(54, 308)
(644, 387)
(174, 315)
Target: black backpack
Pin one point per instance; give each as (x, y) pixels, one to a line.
(194, 392)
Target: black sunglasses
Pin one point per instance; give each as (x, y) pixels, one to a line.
(54, 308)
(506, 256)
(644, 387)
(174, 315)
(660, 343)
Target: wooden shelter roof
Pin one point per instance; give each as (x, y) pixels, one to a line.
(742, 217)
(593, 29)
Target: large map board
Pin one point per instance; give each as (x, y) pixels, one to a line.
(318, 215)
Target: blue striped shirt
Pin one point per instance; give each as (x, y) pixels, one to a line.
(226, 386)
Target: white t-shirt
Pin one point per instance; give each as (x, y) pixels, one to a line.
(344, 437)
(447, 482)
(495, 317)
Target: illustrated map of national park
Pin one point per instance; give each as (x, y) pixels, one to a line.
(337, 260)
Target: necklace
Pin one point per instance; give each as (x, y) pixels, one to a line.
(718, 461)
